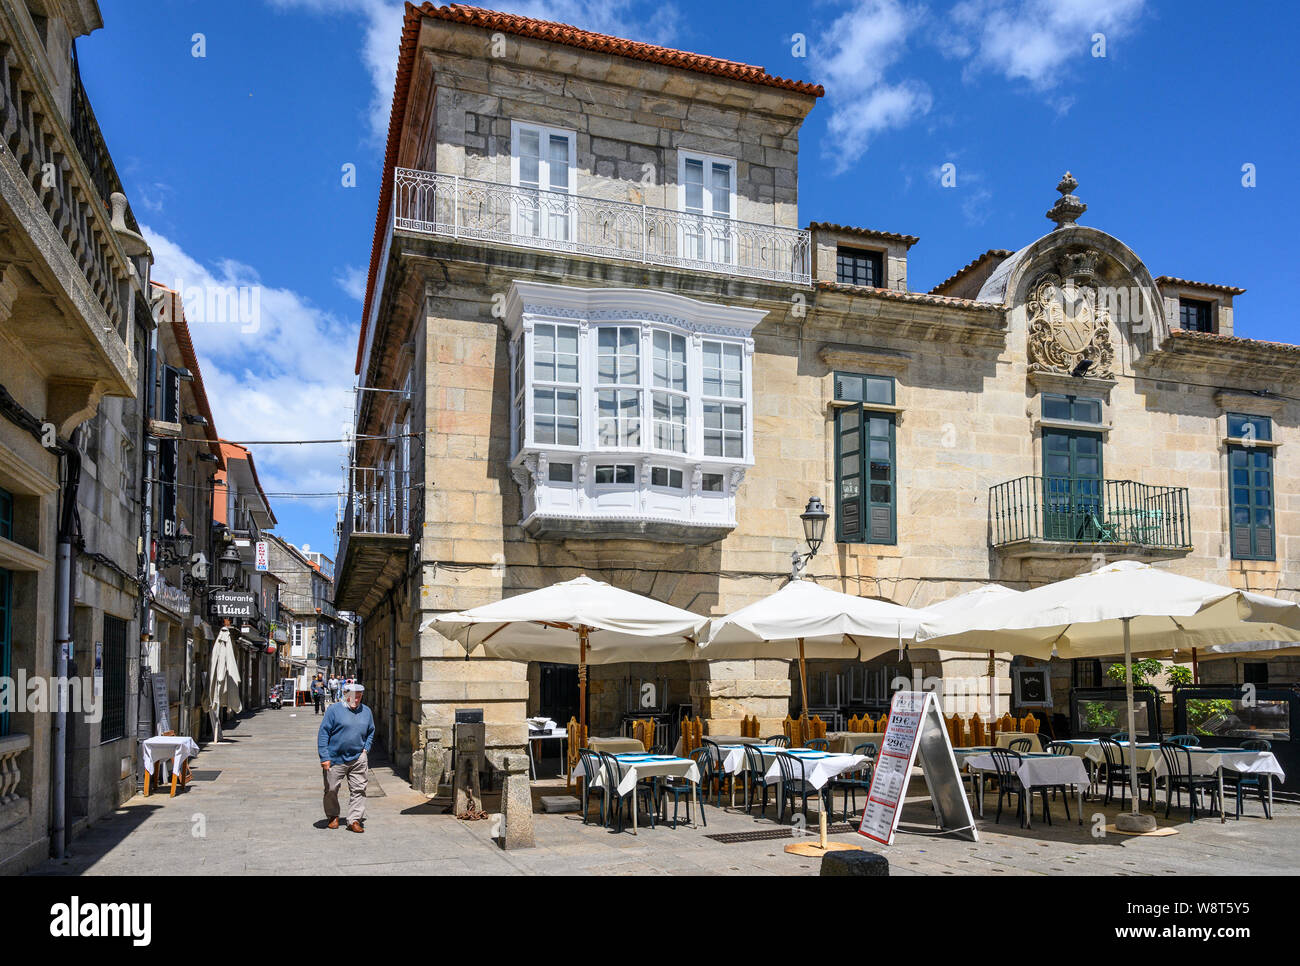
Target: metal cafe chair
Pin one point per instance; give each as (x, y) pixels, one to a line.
(794, 783)
(1186, 741)
(1179, 777)
(755, 776)
(859, 777)
(1061, 748)
(1258, 782)
(591, 766)
(1116, 769)
(1022, 745)
(778, 741)
(818, 744)
(614, 777)
(1006, 762)
(680, 788)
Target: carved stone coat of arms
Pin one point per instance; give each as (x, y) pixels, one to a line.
(1066, 326)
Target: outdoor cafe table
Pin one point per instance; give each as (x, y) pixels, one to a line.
(177, 749)
(616, 746)
(1037, 770)
(819, 766)
(1148, 756)
(642, 765)
(1215, 761)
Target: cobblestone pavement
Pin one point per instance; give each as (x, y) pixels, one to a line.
(262, 814)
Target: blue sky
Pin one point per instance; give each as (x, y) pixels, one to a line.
(234, 161)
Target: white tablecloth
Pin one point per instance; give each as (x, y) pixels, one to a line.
(635, 768)
(1148, 758)
(818, 767)
(175, 747)
(1210, 760)
(1006, 737)
(1038, 772)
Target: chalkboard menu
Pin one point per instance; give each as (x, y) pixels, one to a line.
(161, 707)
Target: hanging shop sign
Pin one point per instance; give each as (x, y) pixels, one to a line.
(232, 604)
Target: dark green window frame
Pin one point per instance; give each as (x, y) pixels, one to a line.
(1196, 315)
(1078, 409)
(113, 724)
(866, 485)
(1252, 526)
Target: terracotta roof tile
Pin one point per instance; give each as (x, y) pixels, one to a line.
(908, 240)
(970, 266)
(541, 30)
(923, 298)
(1211, 286)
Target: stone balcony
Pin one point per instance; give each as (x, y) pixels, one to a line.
(375, 536)
(70, 270)
(426, 202)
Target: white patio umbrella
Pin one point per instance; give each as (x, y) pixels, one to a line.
(1080, 617)
(580, 621)
(980, 596)
(824, 623)
(223, 681)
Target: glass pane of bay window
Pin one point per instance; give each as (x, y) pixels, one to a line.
(670, 361)
(617, 355)
(723, 370)
(670, 422)
(530, 157)
(694, 183)
(724, 430)
(618, 421)
(559, 162)
(555, 416)
(721, 190)
(555, 353)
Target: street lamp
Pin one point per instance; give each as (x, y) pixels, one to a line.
(228, 565)
(814, 519)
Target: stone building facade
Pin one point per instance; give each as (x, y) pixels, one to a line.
(75, 329)
(596, 340)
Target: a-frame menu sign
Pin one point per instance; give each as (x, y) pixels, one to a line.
(914, 735)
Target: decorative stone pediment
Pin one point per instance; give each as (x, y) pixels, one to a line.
(1067, 322)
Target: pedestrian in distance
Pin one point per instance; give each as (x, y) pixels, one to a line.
(317, 693)
(343, 743)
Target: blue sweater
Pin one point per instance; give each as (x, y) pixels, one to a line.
(344, 733)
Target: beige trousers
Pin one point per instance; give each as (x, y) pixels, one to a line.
(355, 772)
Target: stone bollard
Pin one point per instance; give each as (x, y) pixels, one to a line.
(516, 804)
(854, 863)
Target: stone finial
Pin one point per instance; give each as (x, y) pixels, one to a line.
(133, 243)
(1068, 207)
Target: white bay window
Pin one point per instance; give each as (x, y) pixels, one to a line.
(631, 411)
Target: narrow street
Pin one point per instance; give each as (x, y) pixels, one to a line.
(255, 809)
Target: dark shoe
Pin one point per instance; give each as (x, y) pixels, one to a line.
(334, 822)
(355, 827)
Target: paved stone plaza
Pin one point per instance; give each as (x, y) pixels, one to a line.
(262, 815)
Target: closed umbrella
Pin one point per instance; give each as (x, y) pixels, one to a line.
(1152, 609)
(580, 621)
(223, 681)
(823, 623)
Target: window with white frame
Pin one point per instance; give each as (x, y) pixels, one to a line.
(542, 168)
(632, 404)
(708, 195)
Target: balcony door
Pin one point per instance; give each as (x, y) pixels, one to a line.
(542, 166)
(1072, 486)
(708, 193)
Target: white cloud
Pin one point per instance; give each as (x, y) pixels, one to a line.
(353, 281)
(851, 61)
(1031, 40)
(284, 371)
(382, 33)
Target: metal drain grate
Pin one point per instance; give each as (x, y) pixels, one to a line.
(204, 776)
(735, 838)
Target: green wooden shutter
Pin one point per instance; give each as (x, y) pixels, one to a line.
(880, 472)
(848, 474)
(1250, 482)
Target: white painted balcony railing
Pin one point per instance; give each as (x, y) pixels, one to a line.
(445, 204)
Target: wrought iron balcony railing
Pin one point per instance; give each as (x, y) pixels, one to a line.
(444, 204)
(1081, 511)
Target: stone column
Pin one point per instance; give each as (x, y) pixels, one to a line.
(726, 691)
(516, 804)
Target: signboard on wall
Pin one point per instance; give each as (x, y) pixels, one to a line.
(263, 558)
(915, 734)
(169, 453)
(234, 604)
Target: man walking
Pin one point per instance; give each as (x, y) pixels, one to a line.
(317, 693)
(343, 743)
